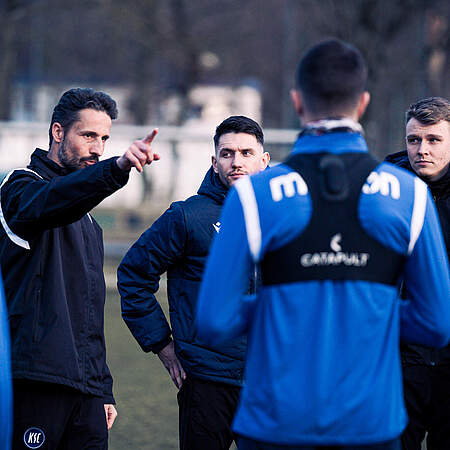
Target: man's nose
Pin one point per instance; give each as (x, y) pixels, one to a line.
(97, 147)
(423, 148)
(237, 160)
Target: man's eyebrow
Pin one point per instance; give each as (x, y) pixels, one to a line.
(432, 135)
(226, 149)
(86, 130)
(94, 133)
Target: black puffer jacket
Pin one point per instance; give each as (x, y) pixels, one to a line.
(51, 255)
(178, 242)
(415, 354)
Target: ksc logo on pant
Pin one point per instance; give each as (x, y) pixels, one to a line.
(34, 437)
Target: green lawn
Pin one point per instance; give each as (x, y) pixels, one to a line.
(145, 395)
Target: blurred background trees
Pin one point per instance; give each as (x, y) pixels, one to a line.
(161, 49)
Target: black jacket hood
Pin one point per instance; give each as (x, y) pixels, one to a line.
(213, 187)
(400, 159)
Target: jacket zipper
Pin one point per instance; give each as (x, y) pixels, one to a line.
(37, 309)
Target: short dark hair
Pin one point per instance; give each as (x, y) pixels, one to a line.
(429, 111)
(239, 124)
(331, 76)
(74, 100)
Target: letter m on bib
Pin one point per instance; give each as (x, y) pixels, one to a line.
(384, 182)
(287, 186)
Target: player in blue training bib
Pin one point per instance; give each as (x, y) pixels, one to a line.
(334, 233)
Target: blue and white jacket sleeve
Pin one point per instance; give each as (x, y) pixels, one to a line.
(222, 308)
(425, 314)
(138, 278)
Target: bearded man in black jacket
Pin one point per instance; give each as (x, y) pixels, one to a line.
(426, 371)
(51, 254)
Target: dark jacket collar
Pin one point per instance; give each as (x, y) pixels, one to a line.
(439, 188)
(212, 187)
(46, 167)
(400, 159)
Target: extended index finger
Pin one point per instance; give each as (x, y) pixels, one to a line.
(149, 138)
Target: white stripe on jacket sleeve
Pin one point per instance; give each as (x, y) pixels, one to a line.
(418, 214)
(247, 197)
(16, 239)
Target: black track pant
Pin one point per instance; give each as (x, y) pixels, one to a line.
(249, 444)
(206, 410)
(55, 417)
(427, 398)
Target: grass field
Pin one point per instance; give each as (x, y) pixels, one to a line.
(145, 395)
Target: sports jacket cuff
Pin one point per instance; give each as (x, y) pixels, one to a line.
(160, 345)
(108, 399)
(118, 175)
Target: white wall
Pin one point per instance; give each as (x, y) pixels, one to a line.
(171, 180)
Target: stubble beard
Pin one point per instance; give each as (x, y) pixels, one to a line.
(69, 161)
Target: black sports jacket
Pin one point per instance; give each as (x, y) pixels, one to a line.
(440, 189)
(51, 255)
(178, 242)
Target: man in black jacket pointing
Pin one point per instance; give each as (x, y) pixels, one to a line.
(51, 254)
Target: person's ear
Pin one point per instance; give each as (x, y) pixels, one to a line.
(297, 100)
(57, 132)
(214, 164)
(363, 102)
(265, 159)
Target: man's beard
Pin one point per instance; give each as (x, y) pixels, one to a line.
(71, 162)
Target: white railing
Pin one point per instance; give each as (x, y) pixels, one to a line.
(185, 157)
